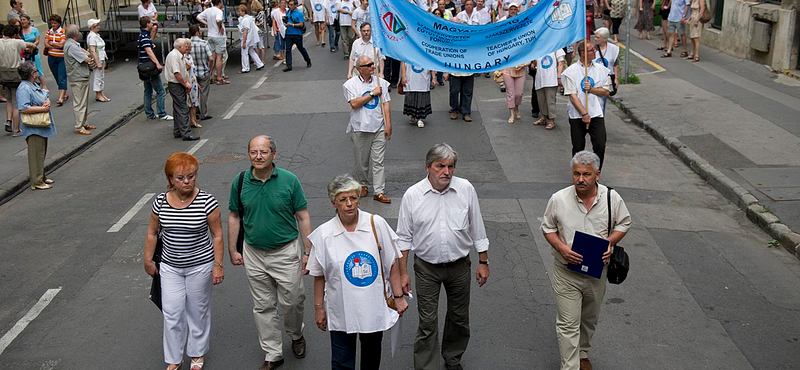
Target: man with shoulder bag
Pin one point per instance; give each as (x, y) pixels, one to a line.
(590, 208)
(147, 59)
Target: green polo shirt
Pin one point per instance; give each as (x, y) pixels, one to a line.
(269, 207)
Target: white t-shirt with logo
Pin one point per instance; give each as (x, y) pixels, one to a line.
(572, 79)
(361, 16)
(349, 261)
(419, 79)
(547, 70)
(210, 16)
(345, 19)
(368, 118)
(610, 54)
(330, 10)
(318, 10)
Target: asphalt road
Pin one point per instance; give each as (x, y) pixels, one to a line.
(706, 291)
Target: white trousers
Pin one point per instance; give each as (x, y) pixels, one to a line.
(247, 53)
(98, 74)
(186, 303)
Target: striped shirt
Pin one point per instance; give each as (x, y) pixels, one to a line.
(54, 37)
(187, 241)
(143, 43)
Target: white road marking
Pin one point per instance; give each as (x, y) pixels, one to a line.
(233, 110)
(277, 63)
(259, 82)
(651, 73)
(12, 334)
(131, 212)
(197, 146)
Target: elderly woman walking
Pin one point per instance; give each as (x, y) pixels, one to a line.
(32, 99)
(350, 258)
(188, 221)
(97, 49)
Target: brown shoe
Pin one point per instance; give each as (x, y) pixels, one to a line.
(453, 115)
(381, 198)
(89, 127)
(269, 365)
(299, 347)
(364, 191)
(467, 118)
(586, 364)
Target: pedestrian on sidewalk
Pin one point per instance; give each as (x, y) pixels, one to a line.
(188, 221)
(618, 10)
(608, 56)
(547, 83)
(370, 126)
(664, 13)
(350, 302)
(261, 24)
(461, 88)
(203, 60)
(332, 23)
(678, 16)
(584, 206)
(645, 21)
(146, 54)
(10, 51)
(417, 91)
(695, 28)
(193, 96)
(514, 80)
(318, 18)
(294, 35)
(54, 45)
(440, 220)
(248, 33)
(31, 99)
(97, 48)
(31, 34)
(78, 63)
(179, 87)
(344, 9)
(214, 21)
(275, 232)
(580, 86)
(279, 31)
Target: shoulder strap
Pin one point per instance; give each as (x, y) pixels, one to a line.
(605, 62)
(241, 205)
(608, 204)
(380, 257)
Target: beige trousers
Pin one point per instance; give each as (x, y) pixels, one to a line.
(275, 280)
(578, 299)
(80, 102)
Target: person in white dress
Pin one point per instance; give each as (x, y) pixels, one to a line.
(351, 257)
(97, 47)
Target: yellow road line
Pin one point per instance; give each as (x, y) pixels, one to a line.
(640, 56)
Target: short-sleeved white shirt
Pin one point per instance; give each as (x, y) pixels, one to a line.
(150, 11)
(361, 48)
(547, 70)
(331, 11)
(475, 19)
(349, 261)
(361, 16)
(368, 118)
(344, 18)
(419, 79)
(318, 10)
(610, 54)
(211, 15)
(572, 79)
(95, 40)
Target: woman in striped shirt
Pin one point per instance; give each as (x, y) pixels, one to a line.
(191, 260)
(54, 45)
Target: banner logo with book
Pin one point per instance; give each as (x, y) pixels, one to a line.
(360, 269)
(410, 34)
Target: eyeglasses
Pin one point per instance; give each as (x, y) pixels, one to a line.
(182, 178)
(345, 200)
(368, 65)
(264, 153)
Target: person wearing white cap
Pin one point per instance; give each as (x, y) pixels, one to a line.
(97, 47)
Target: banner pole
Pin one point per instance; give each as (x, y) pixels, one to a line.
(378, 79)
(586, 76)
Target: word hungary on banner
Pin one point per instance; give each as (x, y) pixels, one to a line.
(406, 32)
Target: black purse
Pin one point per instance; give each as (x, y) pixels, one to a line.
(240, 237)
(147, 70)
(155, 286)
(619, 264)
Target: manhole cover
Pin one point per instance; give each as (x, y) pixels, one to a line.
(223, 158)
(265, 97)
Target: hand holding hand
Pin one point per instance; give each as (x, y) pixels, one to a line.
(321, 318)
(305, 262)
(400, 305)
(405, 282)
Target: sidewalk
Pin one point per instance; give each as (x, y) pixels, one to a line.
(733, 123)
(122, 86)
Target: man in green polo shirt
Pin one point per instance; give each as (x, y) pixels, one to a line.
(275, 215)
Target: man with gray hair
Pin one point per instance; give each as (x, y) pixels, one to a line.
(77, 61)
(440, 220)
(179, 86)
(583, 207)
(370, 125)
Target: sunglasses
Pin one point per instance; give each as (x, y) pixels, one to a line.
(369, 65)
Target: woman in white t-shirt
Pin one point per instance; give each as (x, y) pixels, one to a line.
(417, 87)
(97, 47)
(148, 9)
(279, 31)
(546, 83)
(350, 257)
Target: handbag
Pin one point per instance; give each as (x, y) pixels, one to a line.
(706, 16)
(619, 263)
(147, 70)
(41, 119)
(401, 89)
(155, 285)
(389, 299)
(497, 76)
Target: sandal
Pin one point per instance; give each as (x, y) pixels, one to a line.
(197, 364)
(550, 125)
(83, 132)
(175, 368)
(540, 121)
(666, 55)
(661, 48)
(690, 56)
(89, 127)
(41, 186)
(684, 54)
(106, 100)
(696, 59)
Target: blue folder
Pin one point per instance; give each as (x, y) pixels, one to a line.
(592, 249)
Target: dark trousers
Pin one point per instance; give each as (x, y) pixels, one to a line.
(534, 98)
(205, 89)
(343, 350)
(455, 276)
(391, 71)
(180, 110)
(597, 134)
(295, 40)
(461, 94)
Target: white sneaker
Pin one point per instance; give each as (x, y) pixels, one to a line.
(420, 124)
(166, 118)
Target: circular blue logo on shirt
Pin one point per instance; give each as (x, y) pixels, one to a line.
(346, 8)
(591, 83)
(417, 69)
(372, 103)
(360, 269)
(547, 62)
(523, 3)
(602, 61)
(318, 7)
(333, 9)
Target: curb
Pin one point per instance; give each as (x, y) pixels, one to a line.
(19, 183)
(791, 74)
(737, 194)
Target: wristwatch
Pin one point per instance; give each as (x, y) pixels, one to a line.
(371, 94)
(484, 262)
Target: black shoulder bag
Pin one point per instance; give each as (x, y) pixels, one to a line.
(619, 263)
(611, 75)
(240, 237)
(155, 286)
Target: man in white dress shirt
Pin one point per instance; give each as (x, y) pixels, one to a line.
(469, 15)
(440, 220)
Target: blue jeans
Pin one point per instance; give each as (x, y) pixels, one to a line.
(333, 36)
(279, 44)
(59, 70)
(150, 85)
(343, 350)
